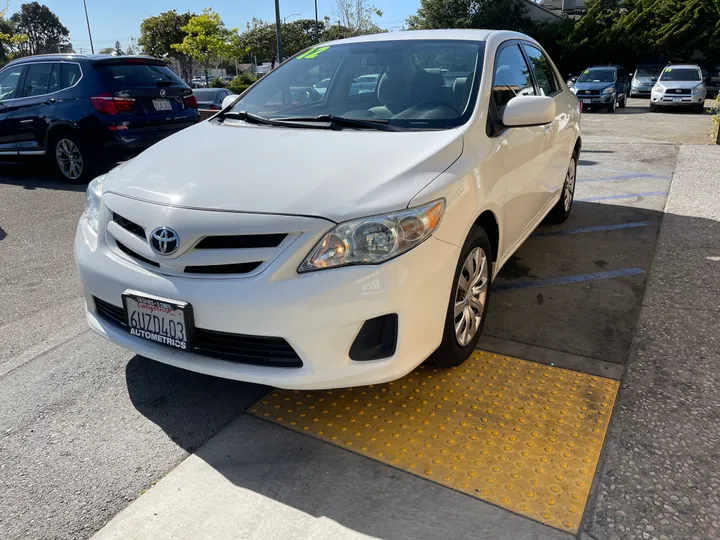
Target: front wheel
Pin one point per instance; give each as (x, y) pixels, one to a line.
(468, 301)
(70, 158)
(561, 211)
(612, 106)
(623, 103)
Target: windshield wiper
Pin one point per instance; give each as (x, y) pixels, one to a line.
(342, 122)
(255, 119)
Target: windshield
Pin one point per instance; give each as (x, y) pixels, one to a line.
(680, 74)
(205, 95)
(648, 72)
(419, 84)
(597, 75)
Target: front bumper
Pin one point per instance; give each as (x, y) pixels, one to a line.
(594, 100)
(319, 314)
(641, 91)
(670, 100)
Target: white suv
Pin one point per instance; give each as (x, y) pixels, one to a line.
(680, 85)
(313, 240)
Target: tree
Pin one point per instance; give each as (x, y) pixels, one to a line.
(106, 50)
(356, 16)
(43, 28)
(10, 40)
(493, 14)
(208, 39)
(158, 35)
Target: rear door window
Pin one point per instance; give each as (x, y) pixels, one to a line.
(37, 79)
(543, 71)
(133, 75)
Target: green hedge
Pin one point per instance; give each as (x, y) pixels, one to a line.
(238, 88)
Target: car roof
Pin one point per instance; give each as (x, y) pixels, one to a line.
(604, 67)
(679, 66)
(93, 58)
(462, 35)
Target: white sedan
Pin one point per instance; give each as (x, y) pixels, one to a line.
(335, 239)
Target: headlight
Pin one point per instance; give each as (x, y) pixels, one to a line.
(609, 90)
(573, 90)
(376, 239)
(92, 202)
(699, 89)
(658, 89)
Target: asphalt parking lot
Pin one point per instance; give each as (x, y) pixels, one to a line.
(87, 427)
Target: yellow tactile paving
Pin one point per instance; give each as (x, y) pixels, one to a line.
(521, 435)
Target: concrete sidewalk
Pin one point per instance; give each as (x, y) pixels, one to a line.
(660, 478)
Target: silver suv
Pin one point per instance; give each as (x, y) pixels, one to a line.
(679, 85)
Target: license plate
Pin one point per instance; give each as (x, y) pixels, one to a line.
(587, 100)
(677, 100)
(162, 105)
(168, 322)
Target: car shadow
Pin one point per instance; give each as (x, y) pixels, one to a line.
(320, 480)
(3, 234)
(40, 175)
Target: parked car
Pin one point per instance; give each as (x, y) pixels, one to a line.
(364, 84)
(602, 87)
(198, 82)
(321, 86)
(79, 110)
(571, 80)
(712, 82)
(679, 85)
(211, 98)
(364, 233)
(643, 79)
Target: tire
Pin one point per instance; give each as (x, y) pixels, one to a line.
(699, 109)
(623, 103)
(561, 211)
(71, 158)
(653, 108)
(452, 352)
(612, 106)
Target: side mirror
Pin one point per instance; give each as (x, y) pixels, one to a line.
(229, 100)
(529, 111)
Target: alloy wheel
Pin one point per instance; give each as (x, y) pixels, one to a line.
(69, 159)
(569, 189)
(470, 296)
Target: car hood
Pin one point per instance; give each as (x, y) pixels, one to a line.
(337, 175)
(645, 80)
(672, 85)
(592, 85)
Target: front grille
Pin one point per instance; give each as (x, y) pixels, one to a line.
(588, 92)
(238, 268)
(130, 253)
(678, 92)
(238, 348)
(246, 241)
(129, 226)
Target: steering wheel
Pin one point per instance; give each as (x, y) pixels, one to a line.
(426, 105)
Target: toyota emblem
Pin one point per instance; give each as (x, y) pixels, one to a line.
(163, 92)
(679, 91)
(164, 241)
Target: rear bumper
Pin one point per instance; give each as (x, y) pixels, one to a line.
(130, 142)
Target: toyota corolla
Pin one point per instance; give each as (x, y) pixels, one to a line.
(335, 238)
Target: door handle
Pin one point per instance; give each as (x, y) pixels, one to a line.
(49, 101)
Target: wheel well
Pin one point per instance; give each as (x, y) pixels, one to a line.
(578, 147)
(56, 130)
(487, 221)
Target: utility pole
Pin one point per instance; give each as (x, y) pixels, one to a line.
(92, 47)
(317, 25)
(279, 36)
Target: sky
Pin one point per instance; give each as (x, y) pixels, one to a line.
(112, 21)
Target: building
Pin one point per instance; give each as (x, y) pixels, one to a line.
(539, 12)
(570, 8)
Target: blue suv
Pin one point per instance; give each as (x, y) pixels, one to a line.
(602, 87)
(79, 110)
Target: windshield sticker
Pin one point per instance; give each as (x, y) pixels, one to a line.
(668, 70)
(587, 71)
(312, 53)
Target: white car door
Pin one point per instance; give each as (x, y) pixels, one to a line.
(526, 151)
(559, 136)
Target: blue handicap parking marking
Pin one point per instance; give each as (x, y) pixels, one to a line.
(623, 196)
(564, 280)
(597, 228)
